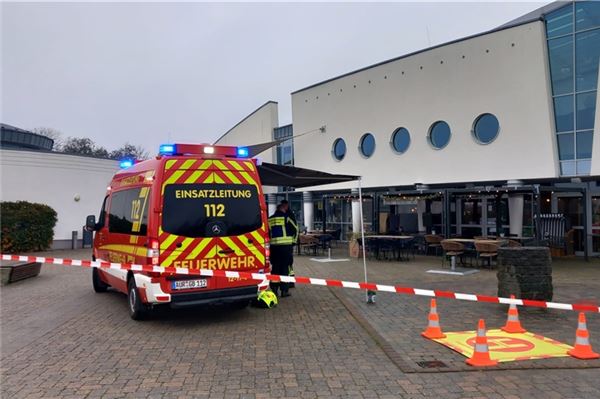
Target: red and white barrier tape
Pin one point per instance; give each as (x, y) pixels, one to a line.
(307, 280)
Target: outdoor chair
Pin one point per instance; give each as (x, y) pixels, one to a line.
(514, 244)
(419, 246)
(407, 248)
(308, 244)
(433, 242)
(386, 249)
(372, 248)
(335, 237)
(452, 248)
(486, 250)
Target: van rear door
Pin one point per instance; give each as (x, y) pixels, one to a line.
(212, 216)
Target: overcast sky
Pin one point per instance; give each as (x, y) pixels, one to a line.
(148, 73)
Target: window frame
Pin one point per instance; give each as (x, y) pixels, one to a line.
(361, 143)
(333, 152)
(392, 139)
(430, 138)
(474, 129)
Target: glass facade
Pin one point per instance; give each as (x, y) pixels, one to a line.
(285, 150)
(573, 34)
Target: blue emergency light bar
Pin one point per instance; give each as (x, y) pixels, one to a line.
(166, 149)
(203, 149)
(126, 163)
(242, 152)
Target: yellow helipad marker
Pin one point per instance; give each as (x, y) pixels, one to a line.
(507, 347)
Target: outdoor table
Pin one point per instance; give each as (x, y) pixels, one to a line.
(323, 238)
(391, 238)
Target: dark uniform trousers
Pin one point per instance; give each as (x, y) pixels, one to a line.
(281, 260)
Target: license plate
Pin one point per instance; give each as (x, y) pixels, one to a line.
(188, 284)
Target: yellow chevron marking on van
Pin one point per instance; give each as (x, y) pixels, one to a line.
(259, 255)
(170, 163)
(194, 176)
(220, 165)
(199, 248)
(232, 177)
(168, 241)
(237, 165)
(217, 178)
(260, 239)
(229, 242)
(174, 255)
(249, 178)
(206, 164)
(173, 178)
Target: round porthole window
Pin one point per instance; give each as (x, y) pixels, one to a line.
(400, 140)
(486, 128)
(367, 145)
(439, 135)
(339, 149)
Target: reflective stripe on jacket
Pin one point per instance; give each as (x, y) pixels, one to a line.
(282, 229)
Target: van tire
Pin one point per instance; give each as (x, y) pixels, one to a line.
(99, 285)
(137, 310)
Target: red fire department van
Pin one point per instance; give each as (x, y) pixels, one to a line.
(193, 206)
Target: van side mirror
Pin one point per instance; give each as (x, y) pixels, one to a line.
(90, 222)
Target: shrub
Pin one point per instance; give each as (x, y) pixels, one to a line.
(26, 226)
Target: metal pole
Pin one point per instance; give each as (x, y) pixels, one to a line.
(362, 234)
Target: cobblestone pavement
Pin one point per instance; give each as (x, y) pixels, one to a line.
(60, 339)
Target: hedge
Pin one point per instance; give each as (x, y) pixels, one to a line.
(26, 226)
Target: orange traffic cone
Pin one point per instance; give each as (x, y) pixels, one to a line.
(433, 330)
(481, 355)
(513, 325)
(582, 349)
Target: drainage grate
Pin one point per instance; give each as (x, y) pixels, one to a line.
(432, 364)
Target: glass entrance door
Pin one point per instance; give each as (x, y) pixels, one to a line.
(571, 205)
(595, 225)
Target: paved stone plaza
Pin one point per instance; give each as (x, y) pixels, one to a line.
(60, 339)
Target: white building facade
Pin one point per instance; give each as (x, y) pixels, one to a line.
(481, 136)
(74, 186)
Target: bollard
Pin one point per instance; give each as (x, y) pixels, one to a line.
(74, 239)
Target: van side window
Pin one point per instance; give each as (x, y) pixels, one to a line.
(102, 216)
(129, 211)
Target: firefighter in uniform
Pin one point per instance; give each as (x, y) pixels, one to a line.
(284, 233)
(289, 213)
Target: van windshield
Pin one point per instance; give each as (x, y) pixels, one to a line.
(210, 210)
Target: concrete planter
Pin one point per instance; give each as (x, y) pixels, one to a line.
(525, 272)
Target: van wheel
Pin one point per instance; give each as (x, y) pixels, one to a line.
(99, 285)
(137, 310)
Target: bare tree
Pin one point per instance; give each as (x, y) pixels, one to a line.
(53, 134)
(84, 146)
(130, 151)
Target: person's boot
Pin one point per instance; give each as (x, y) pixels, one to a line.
(284, 290)
(275, 288)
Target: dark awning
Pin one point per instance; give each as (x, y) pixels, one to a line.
(291, 176)
(255, 149)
